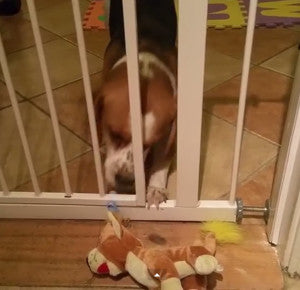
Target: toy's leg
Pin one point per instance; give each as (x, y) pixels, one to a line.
(195, 282)
(171, 284)
(206, 264)
(163, 268)
(203, 261)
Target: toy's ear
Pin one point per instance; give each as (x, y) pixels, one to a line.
(115, 224)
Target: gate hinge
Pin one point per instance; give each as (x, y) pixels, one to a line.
(241, 210)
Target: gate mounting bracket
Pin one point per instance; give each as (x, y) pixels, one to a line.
(241, 209)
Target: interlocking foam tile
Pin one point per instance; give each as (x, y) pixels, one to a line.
(226, 13)
(221, 14)
(271, 13)
(95, 16)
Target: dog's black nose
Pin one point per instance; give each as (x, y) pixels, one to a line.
(125, 184)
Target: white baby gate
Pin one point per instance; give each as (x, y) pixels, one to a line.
(191, 58)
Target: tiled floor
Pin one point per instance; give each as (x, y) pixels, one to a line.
(52, 253)
(44, 253)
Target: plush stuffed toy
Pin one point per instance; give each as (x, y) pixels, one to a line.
(119, 252)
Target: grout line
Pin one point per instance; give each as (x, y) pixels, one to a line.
(260, 62)
(223, 82)
(53, 88)
(281, 51)
(55, 167)
(64, 37)
(245, 129)
(42, 8)
(8, 106)
(277, 71)
(29, 46)
(253, 174)
(76, 44)
(259, 169)
(60, 123)
(62, 85)
(271, 70)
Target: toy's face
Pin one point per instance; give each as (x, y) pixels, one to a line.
(115, 242)
(100, 265)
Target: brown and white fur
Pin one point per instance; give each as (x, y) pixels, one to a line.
(157, 71)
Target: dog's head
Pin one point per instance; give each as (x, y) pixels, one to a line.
(159, 107)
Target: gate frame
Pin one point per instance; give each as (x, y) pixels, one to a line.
(190, 86)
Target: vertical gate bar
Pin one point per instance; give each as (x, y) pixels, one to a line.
(191, 65)
(130, 26)
(242, 98)
(88, 95)
(19, 121)
(3, 182)
(49, 94)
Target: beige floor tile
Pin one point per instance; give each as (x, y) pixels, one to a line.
(284, 62)
(267, 102)
(58, 18)
(63, 65)
(4, 98)
(41, 140)
(219, 68)
(40, 4)
(245, 264)
(217, 154)
(95, 40)
(291, 283)
(267, 42)
(258, 188)
(255, 191)
(82, 176)
(16, 33)
(70, 102)
(46, 253)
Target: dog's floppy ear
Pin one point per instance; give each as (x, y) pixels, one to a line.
(172, 138)
(115, 224)
(98, 107)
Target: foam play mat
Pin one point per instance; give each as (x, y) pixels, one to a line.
(221, 13)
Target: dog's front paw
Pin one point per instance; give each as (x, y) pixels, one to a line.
(156, 196)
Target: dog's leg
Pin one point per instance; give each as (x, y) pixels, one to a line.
(157, 192)
(157, 187)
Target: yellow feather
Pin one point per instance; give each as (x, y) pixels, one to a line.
(225, 232)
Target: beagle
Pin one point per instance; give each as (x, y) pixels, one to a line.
(157, 30)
